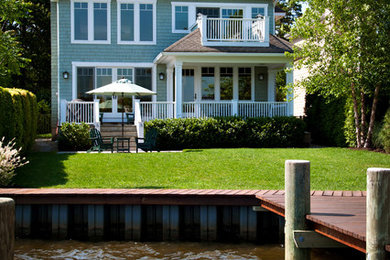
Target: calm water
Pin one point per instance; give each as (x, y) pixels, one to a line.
(40, 249)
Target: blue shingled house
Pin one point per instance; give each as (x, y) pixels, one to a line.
(202, 58)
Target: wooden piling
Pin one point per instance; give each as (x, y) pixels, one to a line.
(378, 215)
(7, 228)
(297, 205)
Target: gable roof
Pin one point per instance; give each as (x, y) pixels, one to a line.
(192, 43)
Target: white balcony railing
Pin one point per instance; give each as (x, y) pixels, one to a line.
(234, 31)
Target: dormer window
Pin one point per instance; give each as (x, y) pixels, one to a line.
(90, 21)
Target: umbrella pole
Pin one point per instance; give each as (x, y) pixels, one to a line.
(123, 108)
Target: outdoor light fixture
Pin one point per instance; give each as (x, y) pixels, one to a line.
(65, 75)
(261, 76)
(161, 76)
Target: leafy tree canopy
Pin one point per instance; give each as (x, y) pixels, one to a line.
(11, 60)
(345, 47)
(293, 9)
(28, 24)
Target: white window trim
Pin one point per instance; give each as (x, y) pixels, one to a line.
(247, 8)
(90, 22)
(111, 65)
(136, 3)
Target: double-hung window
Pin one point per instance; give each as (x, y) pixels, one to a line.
(181, 18)
(90, 21)
(136, 22)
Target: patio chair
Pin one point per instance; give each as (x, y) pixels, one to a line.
(130, 118)
(98, 143)
(149, 143)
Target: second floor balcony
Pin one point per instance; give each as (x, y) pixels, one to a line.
(234, 31)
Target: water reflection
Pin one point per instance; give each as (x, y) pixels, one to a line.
(40, 249)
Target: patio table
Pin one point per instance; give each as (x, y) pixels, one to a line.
(125, 144)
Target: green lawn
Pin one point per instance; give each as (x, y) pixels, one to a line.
(331, 169)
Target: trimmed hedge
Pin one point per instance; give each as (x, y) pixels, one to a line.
(18, 117)
(228, 132)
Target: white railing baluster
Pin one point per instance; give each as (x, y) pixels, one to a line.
(233, 29)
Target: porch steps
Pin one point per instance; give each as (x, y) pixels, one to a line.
(115, 130)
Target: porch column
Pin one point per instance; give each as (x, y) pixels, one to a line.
(63, 111)
(154, 82)
(272, 85)
(178, 88)
(235, 92)
(170, 91)
(169, 84)
(290, 94)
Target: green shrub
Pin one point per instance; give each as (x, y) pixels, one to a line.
(74, 137)
(376, 140)
(18, 117)
(384, 134)
(325, 119)
(43, 125)
(227, 132)
(7, 114)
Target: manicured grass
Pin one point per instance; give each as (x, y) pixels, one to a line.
(331, 169)
(48, 135)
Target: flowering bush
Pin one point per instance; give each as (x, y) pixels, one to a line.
(9, 161)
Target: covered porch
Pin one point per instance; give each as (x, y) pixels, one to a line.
(218, 85)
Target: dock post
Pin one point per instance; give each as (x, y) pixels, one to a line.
(7, 228)
(378, 215)
(297, 205)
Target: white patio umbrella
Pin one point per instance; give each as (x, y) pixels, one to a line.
(122, 87)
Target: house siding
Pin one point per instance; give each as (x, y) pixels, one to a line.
(54, 65)
(261, 86)
(114, 52)
(161, 84)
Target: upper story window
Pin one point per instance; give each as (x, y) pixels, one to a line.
(181, 17)
(90, 21)
(136, 22)
(257, 11)
(184, 14)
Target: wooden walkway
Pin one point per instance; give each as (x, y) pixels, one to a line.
(339, 215)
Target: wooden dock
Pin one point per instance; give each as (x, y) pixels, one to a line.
(339, 215)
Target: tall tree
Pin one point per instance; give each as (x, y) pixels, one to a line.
(11, 58)
(293, 9)
(346, 51)
(33, 33)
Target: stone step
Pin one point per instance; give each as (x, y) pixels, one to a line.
(119, 134)
(117, 128)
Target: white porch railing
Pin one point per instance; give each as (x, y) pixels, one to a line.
(163, 110)
(262, 109)
(80, 111)
(207, 109)
(153, 110)
(234, 31)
